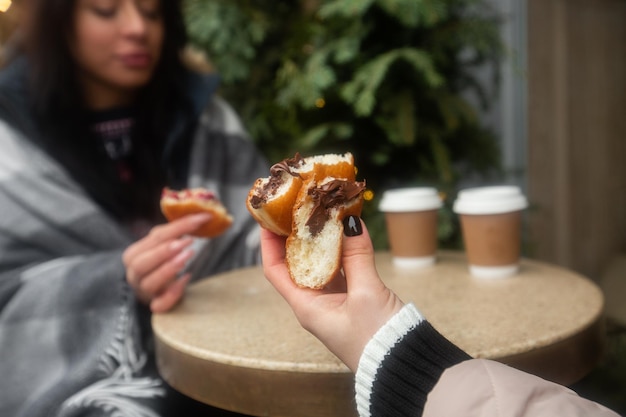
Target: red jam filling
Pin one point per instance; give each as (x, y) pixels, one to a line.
(185, 194)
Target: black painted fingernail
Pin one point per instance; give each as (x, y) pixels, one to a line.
(352, 226)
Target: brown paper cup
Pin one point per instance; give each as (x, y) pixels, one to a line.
(411, 218)
(491, 226)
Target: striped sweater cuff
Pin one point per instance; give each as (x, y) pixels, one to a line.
(401, 364)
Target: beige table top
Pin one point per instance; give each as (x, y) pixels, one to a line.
(234, 342)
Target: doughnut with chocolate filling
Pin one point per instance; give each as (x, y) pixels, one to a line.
(306, 199)
(271, 199)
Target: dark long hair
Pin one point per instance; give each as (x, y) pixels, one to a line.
(56, 101)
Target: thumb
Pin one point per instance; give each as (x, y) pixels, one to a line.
(358, 254)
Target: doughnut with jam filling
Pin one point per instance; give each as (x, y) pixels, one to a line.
(178, 203)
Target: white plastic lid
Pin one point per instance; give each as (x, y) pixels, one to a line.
(490, 200)
(410, 199)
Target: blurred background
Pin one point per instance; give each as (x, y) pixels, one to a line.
(449, 94)
(446, 93)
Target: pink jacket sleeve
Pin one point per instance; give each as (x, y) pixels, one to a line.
(485, 388)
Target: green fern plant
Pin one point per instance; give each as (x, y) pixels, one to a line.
(388, 80)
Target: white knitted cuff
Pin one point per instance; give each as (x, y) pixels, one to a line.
(385, 338)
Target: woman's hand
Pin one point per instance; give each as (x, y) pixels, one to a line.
(346, 314)
(154, 262)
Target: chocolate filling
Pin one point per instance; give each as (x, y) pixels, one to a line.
(327, 196)
(286, 165)
(275, 180)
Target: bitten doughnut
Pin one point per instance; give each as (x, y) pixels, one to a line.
(178, 203)
(271, 199)
(306, 199)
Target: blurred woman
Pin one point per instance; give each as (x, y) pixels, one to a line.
(98, 113)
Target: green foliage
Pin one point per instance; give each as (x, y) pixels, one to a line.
(388, 80)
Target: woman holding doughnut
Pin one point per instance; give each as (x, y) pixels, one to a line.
(99, 111)
(402, 365)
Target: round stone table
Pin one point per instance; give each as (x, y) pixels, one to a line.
(234, 343)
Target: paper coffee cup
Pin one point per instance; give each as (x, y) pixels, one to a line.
(411, 218)
(491, 227)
